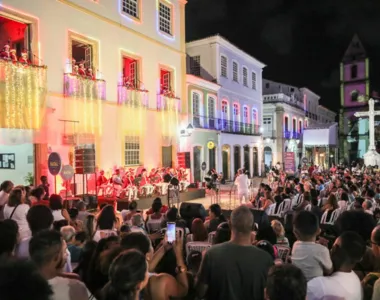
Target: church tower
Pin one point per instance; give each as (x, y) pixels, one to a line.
(354, 91)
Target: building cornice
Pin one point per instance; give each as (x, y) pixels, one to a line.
(227, 44)
(117, 24)
(195, 80)
(310, 92)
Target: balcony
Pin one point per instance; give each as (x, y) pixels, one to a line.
(226, 126)
(167, 100)
(287, 134)
(133, 97)
(23, 89)
(296, 135)
(77, 86)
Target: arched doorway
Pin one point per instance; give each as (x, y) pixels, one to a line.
(197, 150)
(255, 160)
(237, 160)
(268, 157)
(247, 161)
(212, 158)
(226, 161)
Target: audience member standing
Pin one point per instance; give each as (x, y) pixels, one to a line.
(242, 183)
(235, 270)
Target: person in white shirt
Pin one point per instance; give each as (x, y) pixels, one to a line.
(48, 251)
(347, 251)
(5, 189)
(16, 209)
(242, 183)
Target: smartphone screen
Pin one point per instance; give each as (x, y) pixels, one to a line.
(170, 232)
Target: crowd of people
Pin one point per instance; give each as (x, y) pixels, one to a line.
(309, 237)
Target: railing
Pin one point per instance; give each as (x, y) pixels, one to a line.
(269, 134)
(85, 88)
(226, 125)
(132, 97)
(287, 134)
(296, 135)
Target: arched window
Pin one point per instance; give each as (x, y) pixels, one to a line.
(224, 107)
(286, 123)
(294, 125)
(236, 109)
(354, 71)
(300, 126)
(255, 117)
(245, 114)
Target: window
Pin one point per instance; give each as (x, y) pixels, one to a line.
(236, 109)
(224, 107)
(286, 120)
(255, 117)
(223, 66)
(245, 76)
(15, 34)
(245, 112)
(82, 53)
(354, 71)
(195, 65)
(266, 85)
(211, 107)
(354, 95)
(165, 18)
(130, 72)
(254, 81)
(165, 80)
(267, 122)
(235, 71)
(132, 150)
(131, 7)
(300, 126)
(195, 104)
(294, 125)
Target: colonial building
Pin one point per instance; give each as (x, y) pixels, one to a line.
(354, 95)
(107, 73)
(229, 114)
(287, 112)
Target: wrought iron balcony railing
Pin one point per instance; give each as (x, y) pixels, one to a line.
(296, 135)
(226, 125)
(287, 134)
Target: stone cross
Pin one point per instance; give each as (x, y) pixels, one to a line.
(371, 115)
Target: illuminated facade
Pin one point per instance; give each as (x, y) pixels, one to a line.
(232, 120)
(287, 111)
(129, 103)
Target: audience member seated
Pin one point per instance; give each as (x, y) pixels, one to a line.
(312, 258)
(198, 232)
(172, 216)
(222, 234)
(164, 208)
(82, 212)
(347, 251)
(154, 220)
(16, 209)
(107, 223)
(56, 206)
(286, 282)
(77, 224)
(128, 214)
(243, 274)
(39, 218)
(5, 189)
(37, 195)
(138, 224)
(8, 238)
(48, 251)
(280, 233)
(215, 218)
(20, 279)
(68, 233)
(128, 276)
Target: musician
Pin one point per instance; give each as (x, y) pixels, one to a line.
(101, 183)
(117, 182)
(182, 177)
(242, 183)
(145, 183)
(129, 185)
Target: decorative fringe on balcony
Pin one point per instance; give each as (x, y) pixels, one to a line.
(169, 117)
(79, 87)
(22, 95)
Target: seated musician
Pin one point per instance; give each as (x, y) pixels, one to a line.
(129, 185)
(117, 182)
(101, 182)
(184, 182)
(145, 183)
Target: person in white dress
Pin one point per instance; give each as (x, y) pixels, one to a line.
(16, 209)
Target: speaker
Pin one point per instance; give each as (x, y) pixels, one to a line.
(260, 218)
(187, 160)
(84, 158)
(192, 211)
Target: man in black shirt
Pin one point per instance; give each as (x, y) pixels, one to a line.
(45, 185)
(235, 270)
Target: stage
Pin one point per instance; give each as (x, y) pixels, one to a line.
(146, 203)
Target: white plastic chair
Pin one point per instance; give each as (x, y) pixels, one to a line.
(334, 216)
(197, 246)
(308, 207)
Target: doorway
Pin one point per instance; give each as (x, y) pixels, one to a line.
(226, 161)
(167, 156)
(212, 158)
(268, 157)
(247, 163)
(255, 162)
(237, 160)
(197, 163)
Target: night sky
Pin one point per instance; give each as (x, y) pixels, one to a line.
(301, 42)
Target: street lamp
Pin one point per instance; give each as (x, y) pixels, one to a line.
(188, 131)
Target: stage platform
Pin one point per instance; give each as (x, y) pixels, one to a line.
(146, 203)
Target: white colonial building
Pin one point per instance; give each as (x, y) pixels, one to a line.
(287, 112)
(128, 108)
(225, 108)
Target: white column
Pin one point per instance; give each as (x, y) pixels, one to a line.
(241, 156)
(219, 157)
(251, 162)
(232, 162)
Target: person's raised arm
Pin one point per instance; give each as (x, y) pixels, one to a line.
(203, 277)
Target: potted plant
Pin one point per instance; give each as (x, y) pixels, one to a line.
(29, 178)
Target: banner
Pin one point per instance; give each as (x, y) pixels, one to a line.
(289, 160)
